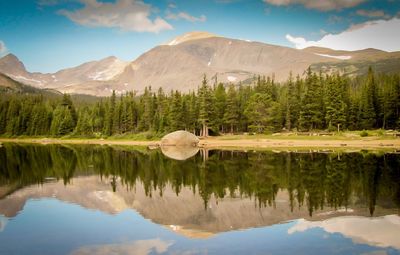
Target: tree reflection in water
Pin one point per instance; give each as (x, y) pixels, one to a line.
(312, 179)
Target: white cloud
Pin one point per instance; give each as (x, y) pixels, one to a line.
(128, 15)
(380, 34)
(185, 16)
(379, 231)
(3, 48)
(322, 5)
(140, 247)
(372, 13)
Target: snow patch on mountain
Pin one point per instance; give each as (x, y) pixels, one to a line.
(25, 79)
(231, 78)
(331, 56)
(109, 72)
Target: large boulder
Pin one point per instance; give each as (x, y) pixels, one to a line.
(180, 138)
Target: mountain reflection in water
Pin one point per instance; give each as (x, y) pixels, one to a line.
(231, 190)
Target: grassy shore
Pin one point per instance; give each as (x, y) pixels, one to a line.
(358, 140)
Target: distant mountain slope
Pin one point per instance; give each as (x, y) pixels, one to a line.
(355, 68)
(181, 63)
(8, 85)
(359, 55)
(357, 62)
(94, 71)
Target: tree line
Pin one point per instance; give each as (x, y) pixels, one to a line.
(313, 102)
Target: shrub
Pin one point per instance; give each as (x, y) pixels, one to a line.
(149, 136)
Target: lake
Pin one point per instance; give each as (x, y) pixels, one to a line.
(94, 199)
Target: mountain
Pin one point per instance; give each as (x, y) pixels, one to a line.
(359, 55)
(12, 65)
(181, 63)
(190, 37)
(8, 85)
(356, 62)
(71, 80)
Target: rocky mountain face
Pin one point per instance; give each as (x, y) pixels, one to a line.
(181, 63)
(10, 64)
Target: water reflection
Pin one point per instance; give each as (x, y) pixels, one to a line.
(3, 222)
(179, 152)
(311, 180)
(141, 247)
(306, 192)
(382, 231)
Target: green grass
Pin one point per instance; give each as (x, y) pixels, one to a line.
(317, 135)
(144, 136)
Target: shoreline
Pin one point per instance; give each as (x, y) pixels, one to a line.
(296, 143)
(245, 143)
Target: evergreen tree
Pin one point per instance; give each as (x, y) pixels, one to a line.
(335, 105)
(175, 113)
(147, 107)
(316, 102)
(84, 125)
(206, 107)
(259, 112)
(63, 122)
(12, 127)
(109, 115)
(368, 103)
(312, 108)
(231, 115)
(220, 106)
(293, 102)
(3, 116)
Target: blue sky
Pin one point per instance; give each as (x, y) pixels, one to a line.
(48, 35)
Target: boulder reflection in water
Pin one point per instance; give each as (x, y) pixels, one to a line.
(179, 152)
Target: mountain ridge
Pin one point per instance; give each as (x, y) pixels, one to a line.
(181, 63)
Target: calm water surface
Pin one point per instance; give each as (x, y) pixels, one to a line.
(57, 199)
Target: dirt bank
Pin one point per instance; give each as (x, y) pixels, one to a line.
(362, 143)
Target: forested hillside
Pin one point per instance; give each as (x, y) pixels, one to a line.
(316, 102)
